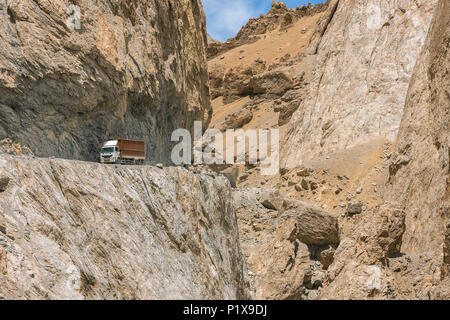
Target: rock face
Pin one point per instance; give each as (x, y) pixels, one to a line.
(273, 82)
(401, 251)
(365, 59)
(134, 69)
(340, 70)
(419, 173)
(446, 264)
(288, 243)
(238, 119)
(360, 267)
(278, 16)
(73, 230)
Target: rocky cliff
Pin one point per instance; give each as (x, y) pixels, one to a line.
(378, 226)
(133, 69)
(364, 63)
(258, 61)
(419, 173)
(353, 149)
(402, 250)
(74, 230)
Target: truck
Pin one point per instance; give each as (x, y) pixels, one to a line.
(123, 151)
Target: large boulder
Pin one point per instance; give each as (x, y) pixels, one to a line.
(237, 119)
(233, 82)
(273, 82)
(360, 268)
(365, 55)
(288, 243)
(279, 266)
(272, 199)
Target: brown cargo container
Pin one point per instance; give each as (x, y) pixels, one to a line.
(131, 149)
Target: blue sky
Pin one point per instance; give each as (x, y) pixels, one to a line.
(226, 17)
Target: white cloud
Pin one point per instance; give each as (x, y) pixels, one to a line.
(226, 17)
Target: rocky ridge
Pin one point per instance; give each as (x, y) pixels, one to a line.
(250, 69)
(419, 173)
(278, 16)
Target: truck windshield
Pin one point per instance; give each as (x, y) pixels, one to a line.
(108, 150)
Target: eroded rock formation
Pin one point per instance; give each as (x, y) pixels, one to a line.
(72, 230)
(401, 251)
(288, 244)
(134, 69)
(419, 170)
(278, 16)
(360, 267)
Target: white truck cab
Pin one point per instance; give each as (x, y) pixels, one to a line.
(110, 152)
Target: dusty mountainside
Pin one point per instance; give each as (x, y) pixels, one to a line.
(419, 170)
(256, 28)
(262, 84)
(74, 230)
(260, 62)
(323, 53)
(80, 230)
(134, 69)
(342, 73)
